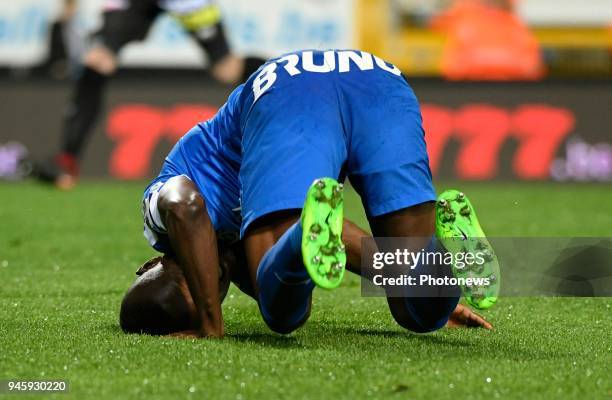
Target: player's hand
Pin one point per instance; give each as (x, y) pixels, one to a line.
(464, 317)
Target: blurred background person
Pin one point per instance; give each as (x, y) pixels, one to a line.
(440, 40)
(126, 21)
(61, 40)
(487, 41)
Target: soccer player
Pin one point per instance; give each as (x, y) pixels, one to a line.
(159, 301)
(125, 21)
(303, 116)
(57, 60)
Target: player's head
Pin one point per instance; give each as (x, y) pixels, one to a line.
(158, 302)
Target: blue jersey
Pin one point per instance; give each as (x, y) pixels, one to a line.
(209, 155)
(303, 116)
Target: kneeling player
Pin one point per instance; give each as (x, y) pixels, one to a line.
(159, 301)
(303, 116)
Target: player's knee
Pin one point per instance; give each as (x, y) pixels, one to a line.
(284, 328)
(101, 60)
(421, 325)
(421, 315)
(285, 325)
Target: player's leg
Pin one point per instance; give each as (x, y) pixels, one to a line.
(291, 140)
(56, 61)
(288, 257)
(389, 167)
(352, 236)
(120, 26)
(415, 312)
(206, 26)
(282, 284)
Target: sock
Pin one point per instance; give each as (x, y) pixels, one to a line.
(285, 287)
(83, 111)
(67, 163)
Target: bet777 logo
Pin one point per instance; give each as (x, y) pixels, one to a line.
(480, 129)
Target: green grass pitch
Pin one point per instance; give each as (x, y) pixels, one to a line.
(67, 258)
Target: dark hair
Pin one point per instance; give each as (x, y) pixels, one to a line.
(155, 303)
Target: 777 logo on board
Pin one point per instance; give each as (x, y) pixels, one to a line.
(480, 130)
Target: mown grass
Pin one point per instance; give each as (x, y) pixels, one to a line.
(67, 258)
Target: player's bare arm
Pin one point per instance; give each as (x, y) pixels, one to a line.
(193, 239)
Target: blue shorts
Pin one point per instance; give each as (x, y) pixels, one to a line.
(365, 125)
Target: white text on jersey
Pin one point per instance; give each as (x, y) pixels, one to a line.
(341, 60)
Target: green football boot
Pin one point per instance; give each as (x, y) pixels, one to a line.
(458, 230)
(323, 252)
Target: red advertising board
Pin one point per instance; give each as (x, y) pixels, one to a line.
(527, 131)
